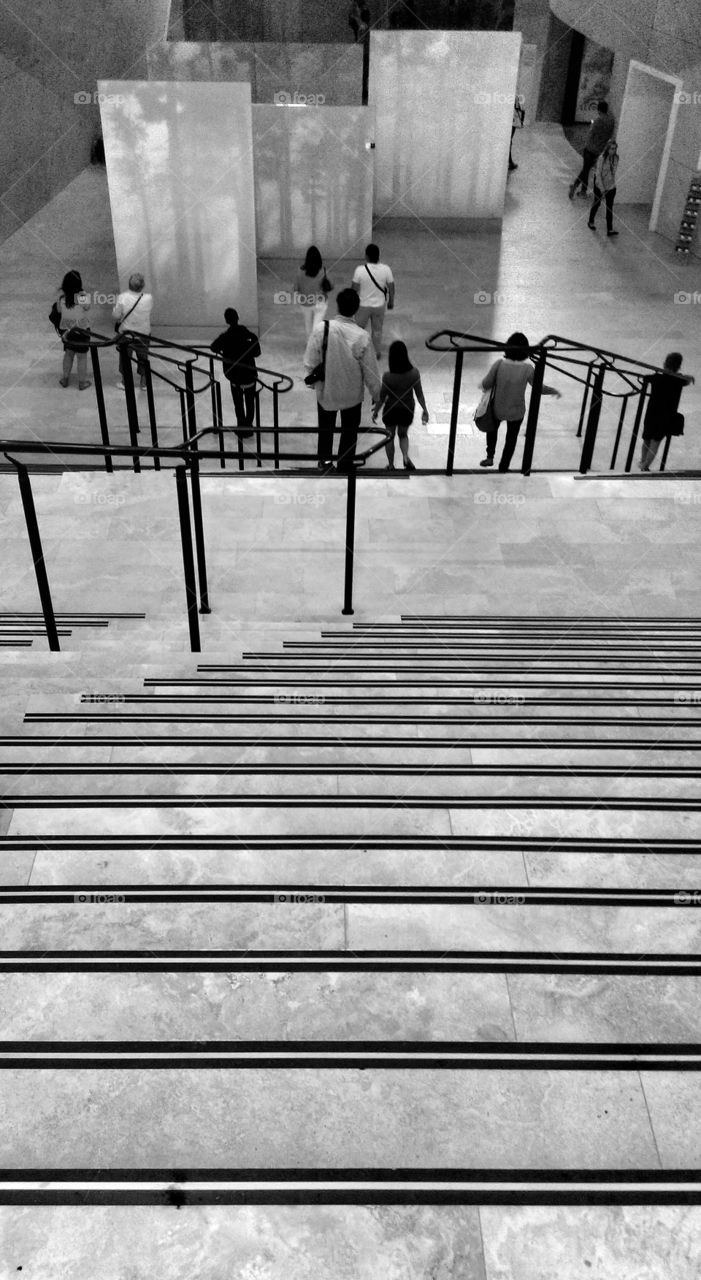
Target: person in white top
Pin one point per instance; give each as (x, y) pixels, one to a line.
(374, 284)
(132, 311)
(350, 366)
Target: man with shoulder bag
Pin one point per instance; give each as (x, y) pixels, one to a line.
(340, 363)
(374, 284)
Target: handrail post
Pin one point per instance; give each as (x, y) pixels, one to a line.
(183, 414)
(258, 443)
(152, 413)
(619, 429)
(636, 425)
(30, 516)
(585, 397)
(533, 410)
(100, 398)
(188, 560)
(454, 413)
(190, 401)
(220, 423)
(130, 397)
(350, 543)
(199, 534)
(587, 454)
(276, 429)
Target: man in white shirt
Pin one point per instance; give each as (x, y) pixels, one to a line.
(374, 284)
(133, 312)
(350, 366)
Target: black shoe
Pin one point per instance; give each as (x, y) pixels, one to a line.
(503, 468)
(512, 166)
(591, 226)
(573, 188)
(408, 465)
(245, 432)
(612, 233)
(487, 462)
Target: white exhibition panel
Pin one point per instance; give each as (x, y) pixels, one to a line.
(313, 179)
(642, 132)
(180, 174)
(443, 105)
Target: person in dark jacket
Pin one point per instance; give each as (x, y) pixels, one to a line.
(665, 393)
(602, 128)
(238, 347)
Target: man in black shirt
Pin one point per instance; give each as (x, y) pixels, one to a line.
(238, 348)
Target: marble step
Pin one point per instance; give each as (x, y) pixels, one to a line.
(216, 1006)
(496, 924)
(346, 1118)
(349, 1242)
(168, 783)
(356, 818)
(152, 865)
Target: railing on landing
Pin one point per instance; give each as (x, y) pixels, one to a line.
(183, 364)
(581, 362)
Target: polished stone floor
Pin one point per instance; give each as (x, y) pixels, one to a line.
(541, 546)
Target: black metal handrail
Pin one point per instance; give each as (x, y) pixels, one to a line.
(189, 455)
(565, 355)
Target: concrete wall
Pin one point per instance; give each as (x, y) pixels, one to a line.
(642, 132)
(52, 57)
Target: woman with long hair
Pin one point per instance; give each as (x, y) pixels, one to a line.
(312, 288)
(511, 374)
(399, 384)
(662, 415)
(74, 328)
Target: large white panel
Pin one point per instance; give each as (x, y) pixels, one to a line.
(331, 74)
(180, 173)
(641, 135)
(444, 104)
(313, 173)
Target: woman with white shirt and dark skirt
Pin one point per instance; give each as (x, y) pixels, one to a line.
(74, 328)
(512, 375)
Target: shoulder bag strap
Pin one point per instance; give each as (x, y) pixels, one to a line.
(383, 291)
(132, 308)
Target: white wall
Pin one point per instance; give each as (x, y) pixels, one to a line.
(180, 173)
(642, 130)
(444, 104)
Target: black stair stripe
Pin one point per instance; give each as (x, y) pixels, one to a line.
(218, 800)
(320, 844)
(637, 722)
(359, 961)
(384, 743)
(450, 895)
(347, 1055)
(314, 768)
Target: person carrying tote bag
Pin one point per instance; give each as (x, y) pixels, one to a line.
(514, 373)
(73, 328)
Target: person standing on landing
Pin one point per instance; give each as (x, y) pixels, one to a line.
(602, 129)
(74, 306)
(665, 393)
(238, 348)
(512, 375)
(374, 284)
(132, 311)
(397, 395)
(605, 186)
(349, 367)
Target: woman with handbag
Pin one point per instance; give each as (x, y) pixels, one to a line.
(73, 327)
(507, 380)
(312, 288)
(662, 417)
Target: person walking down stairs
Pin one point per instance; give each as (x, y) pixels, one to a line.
(399, 384)
(510, 376)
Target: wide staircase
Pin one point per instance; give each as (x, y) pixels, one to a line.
(389, 937)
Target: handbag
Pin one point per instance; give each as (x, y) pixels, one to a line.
(55, 317)
(318, 373)
(119, 323)
(77, 339)
(677, 425)
(484, 417)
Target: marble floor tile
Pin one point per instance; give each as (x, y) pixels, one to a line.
(609, 1008)
(625, 870)
(344, 1118)
(673, 1103)
(202, 820)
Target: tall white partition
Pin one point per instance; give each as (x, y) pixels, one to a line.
(648, 112)
(443, 105)
(180, 173)
(313, 176)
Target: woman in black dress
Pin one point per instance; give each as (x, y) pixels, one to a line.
(665, 393)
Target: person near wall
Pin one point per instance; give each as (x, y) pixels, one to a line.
(510, 375)
(73, 304)
(312, 288)
(605, 186)
(516, 123)
(662, 417)
(601, 130)
(399, 384)
(374, 284)
(349, 367)
(132, 313)
(354, 18)
(238, 348)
